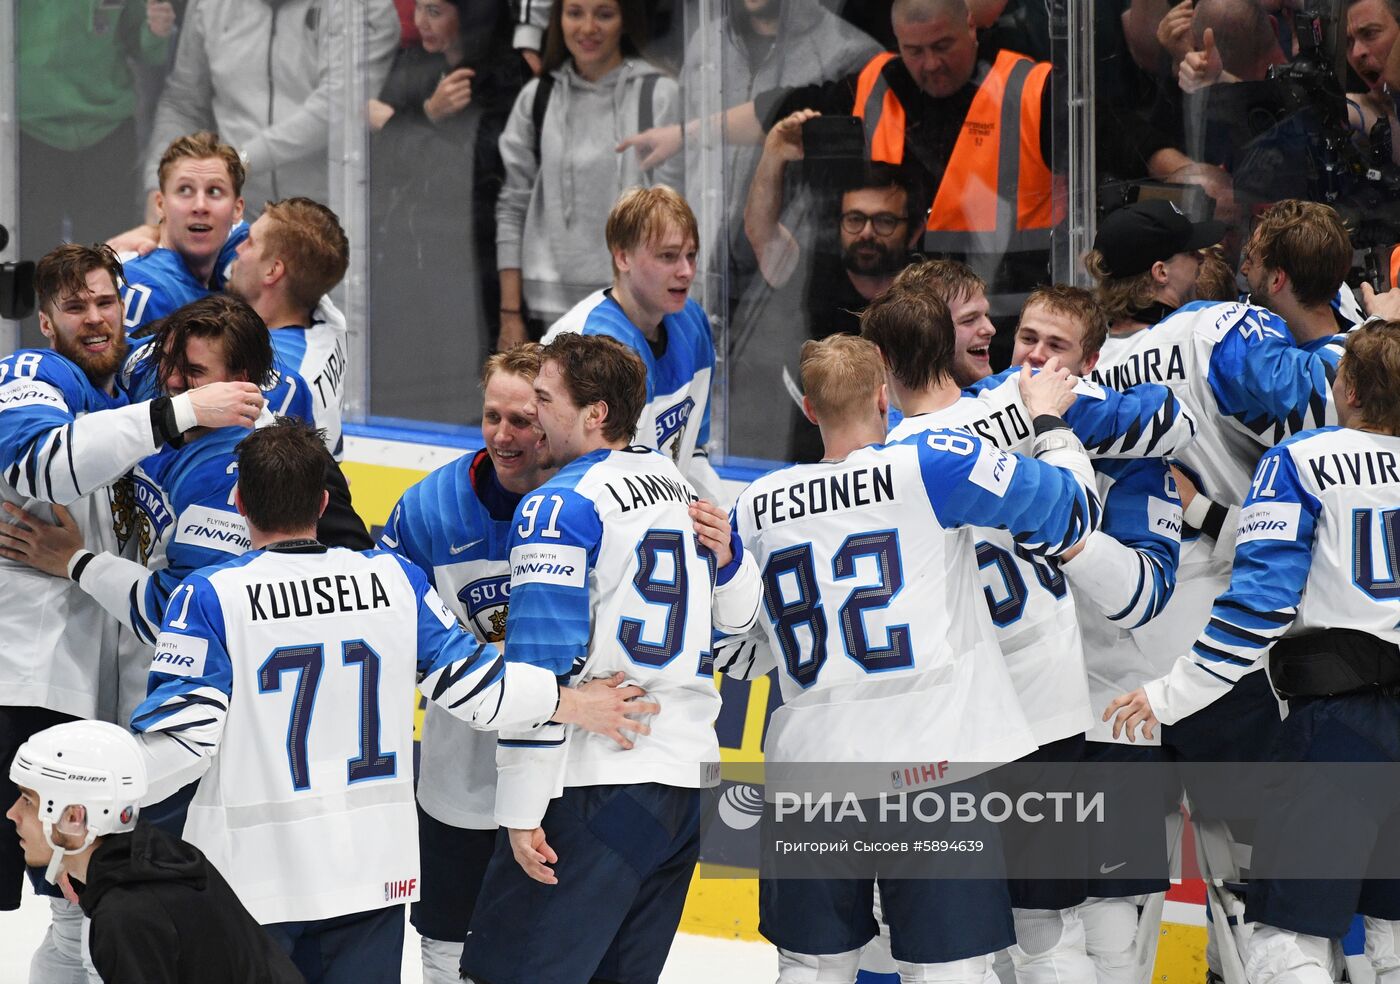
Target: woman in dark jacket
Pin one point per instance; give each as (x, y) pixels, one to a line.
(435, 175)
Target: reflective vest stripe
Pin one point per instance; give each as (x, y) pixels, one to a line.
(1009, 146)
(998, 148)
(1034, 206)
(881, 112)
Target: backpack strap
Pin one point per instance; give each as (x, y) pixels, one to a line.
(646, 113)
(538, 107)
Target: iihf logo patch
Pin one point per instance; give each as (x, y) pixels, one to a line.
(486, 601)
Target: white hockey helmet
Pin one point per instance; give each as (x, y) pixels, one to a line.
(92, 764)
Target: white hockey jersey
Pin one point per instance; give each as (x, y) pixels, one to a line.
(287, 674)
(317, 355)
(607, 575)
(872, 600)
(1316, 548)
(1237, 369)
(1027, 595)
(61, 441)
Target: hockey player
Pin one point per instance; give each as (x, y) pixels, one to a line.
(1145, 261)
(1121, 579)
(454, 526)
(160, 911)
(65, 435)
(199, 202)
(1314, 559)
(1029, 600)
(899, 675)
(277, 683)
(606, 576)
(179, 515)
(1239, 369)
(294, 254)
(653, 238)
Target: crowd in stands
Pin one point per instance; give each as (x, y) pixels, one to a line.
(503, 130)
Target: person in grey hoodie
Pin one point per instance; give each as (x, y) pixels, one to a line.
(265, 75)
(563, 174)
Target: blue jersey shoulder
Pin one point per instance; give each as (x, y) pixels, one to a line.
(289, 344)
(63, 374)
(157, 284)
(441, 519)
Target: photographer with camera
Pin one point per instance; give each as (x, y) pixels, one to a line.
(826, 261)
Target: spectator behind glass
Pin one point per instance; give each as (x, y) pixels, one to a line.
(563, 175)
(1371, 30)
(264, 74)
(436, 173)
(76, 116)
(768, 44)
(826, 253)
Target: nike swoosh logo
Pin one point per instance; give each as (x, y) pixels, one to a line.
(1105, 869)
(454, 551)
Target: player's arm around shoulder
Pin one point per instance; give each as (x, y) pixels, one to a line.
(181, 721)
(1048, 499)
(1143, 420)
(1127, 568)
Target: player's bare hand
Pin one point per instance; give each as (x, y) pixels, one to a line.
(45, 546)
(1185, 488)
(713, 530)
(655, 146)
(533, 59)
(1131, 710)
(1385, 305)
(1051, 390)
(139, 240)
(785, 138)
(227, 404)
(160, 17)
(606, 707)
(452, 95)
(533, 854)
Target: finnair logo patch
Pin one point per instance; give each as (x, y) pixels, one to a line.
(213, 529)
(29, 393)
(534, 563)
(180, 655)
(1269, 521)
(1164, 518)
(993, 470)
